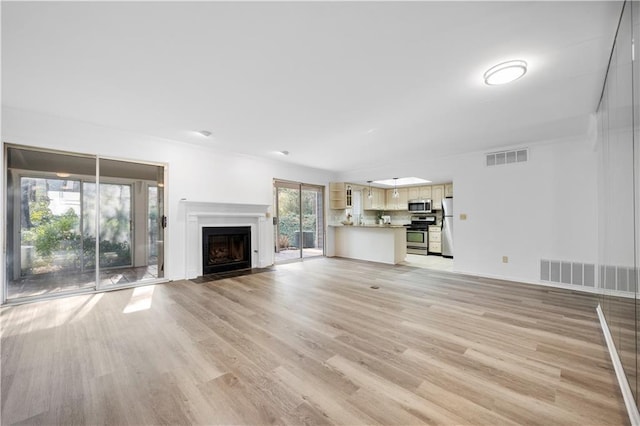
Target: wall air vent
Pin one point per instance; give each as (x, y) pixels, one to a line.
(619, 278)
(576, 273)
(507, 157)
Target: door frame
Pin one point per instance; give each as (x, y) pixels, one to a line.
(300, 187)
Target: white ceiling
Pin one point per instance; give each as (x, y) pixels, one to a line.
(343, 86)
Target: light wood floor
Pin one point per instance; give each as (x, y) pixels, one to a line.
(312, 343)
(431, 261)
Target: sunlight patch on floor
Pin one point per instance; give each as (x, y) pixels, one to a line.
(430, 262)
(86, 307)
(140, 299)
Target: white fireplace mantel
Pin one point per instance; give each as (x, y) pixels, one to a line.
(199, 214)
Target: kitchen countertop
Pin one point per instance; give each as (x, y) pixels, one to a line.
(368, 226)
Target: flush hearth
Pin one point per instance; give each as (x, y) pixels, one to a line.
(225, 249)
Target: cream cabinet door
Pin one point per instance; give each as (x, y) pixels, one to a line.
(414, 192)
(377, 200)
(419, 193)
(435, 247)
(368, 203)
(448, 189)
(437, 194)
(399, 203)
(425, 192)
(380, 200)
(403, 199)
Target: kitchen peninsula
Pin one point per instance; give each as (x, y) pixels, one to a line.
(374, 243)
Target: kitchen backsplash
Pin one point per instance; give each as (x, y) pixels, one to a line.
(370, 217)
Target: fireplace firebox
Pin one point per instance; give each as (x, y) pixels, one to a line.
(226, 248)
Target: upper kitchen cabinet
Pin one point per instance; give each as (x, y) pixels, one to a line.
(437, 194)
(424, 193)
(399, 203)
(448, 189)
(419, 193)
(413, 192)
(340, 196)
(377, 200)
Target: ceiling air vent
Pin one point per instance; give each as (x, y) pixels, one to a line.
(507, 157)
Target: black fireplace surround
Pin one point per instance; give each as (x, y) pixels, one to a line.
(225, 248)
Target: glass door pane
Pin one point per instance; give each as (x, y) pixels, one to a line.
(161, 222)
(312, 221)
(287, 228)
(45, 246)
(155, 226)
(130, 226)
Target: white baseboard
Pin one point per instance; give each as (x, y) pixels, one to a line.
(574, 287)
(627, 395)
(593, 290)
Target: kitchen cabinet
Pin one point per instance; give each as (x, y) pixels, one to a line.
(448, 190)
(400, 203)
(435, 239)
(419, 192)
(340, 196)
(425, 192)
(437, 194)
(435, 248)
(414, 193)
(377, 200)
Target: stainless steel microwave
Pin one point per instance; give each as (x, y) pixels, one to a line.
(419, 206)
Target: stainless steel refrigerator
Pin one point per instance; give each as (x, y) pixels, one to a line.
(447, 227)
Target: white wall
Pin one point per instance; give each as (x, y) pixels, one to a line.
(195, 173)
(543, 209)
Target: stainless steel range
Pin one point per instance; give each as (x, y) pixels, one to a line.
(417, 234)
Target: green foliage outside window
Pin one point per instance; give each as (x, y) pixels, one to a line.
(57, 238)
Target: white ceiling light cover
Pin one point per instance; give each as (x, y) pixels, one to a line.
(505, 72)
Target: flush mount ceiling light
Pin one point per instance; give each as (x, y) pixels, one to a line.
(204, 133)
(506, 72)
(63, 174)
(283, 152)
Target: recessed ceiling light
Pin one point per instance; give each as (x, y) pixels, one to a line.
(506, 72)
(204, 133)
(402, 181)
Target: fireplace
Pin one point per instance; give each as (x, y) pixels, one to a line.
(225, 248)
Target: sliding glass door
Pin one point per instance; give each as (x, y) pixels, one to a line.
(299, 228)
(77, 223)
